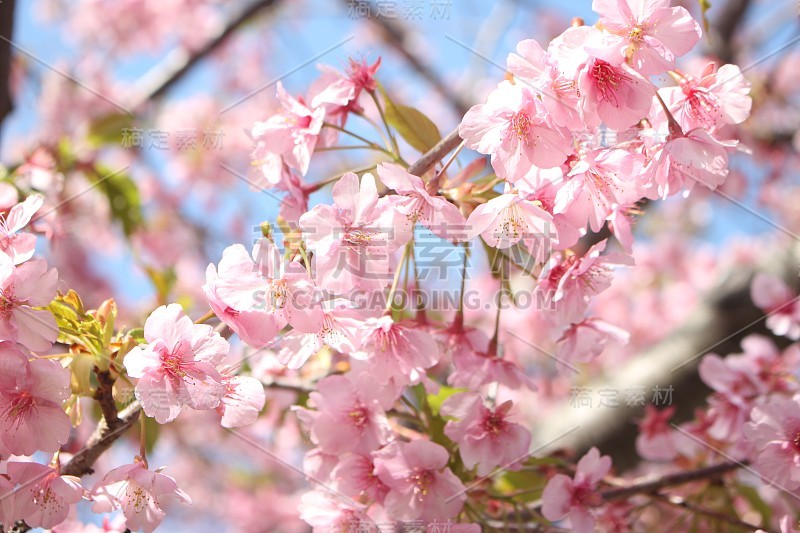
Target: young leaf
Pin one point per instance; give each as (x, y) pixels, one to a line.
(417, 129)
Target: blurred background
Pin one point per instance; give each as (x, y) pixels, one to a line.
(132, 118)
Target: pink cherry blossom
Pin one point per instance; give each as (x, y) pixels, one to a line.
(259, 296)
(292, 133)
(533, 67)
(22, 288)
(689, 158)
(31, 394)
(19, 246)
(44, 497)
(613, 94)
(350, 414)
(176, 367)
(243, 400)
(326, 512)
(354, 476)
(569, 281)
(657, 439)
(475, 367)
(396, 352)
(578, 496)
(774, 431)
(140, 493)
(421, 487)
(597, 182)
(510, 218)
(779, 302)
(651, 33)
(484, 435)
(337, 89)
(353, 239)
(584, 341)
(341, 320)
(717, 99)
(513, 128)
(738, 380)
(413, 202)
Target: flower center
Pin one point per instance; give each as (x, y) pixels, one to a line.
(357, 239)
(7, 303)
(607, 79)
(358, 415)
(520, 125)
(422, 480)
(19, 406)
(494, 423)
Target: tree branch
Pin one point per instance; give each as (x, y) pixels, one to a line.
(397, 36)
(6, 30)
(101, 440)
(166, 74)
(648, 484)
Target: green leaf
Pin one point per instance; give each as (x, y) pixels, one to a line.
(163, 281)
(109, 129)
(123, 198)
(417, 129)
(705, 5)
(436, 400)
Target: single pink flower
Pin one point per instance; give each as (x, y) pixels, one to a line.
(177, 366)
(717, 99)
(613, 93)
(569, 281)
(140, 493)
(326, 512)
(350, 414)
(776, 299)
(259, 296)
(598, 182)
(355, 476)
(484, 435)
(341, 321)
(651, 33)
(243, 400)
(353, 239)
(31, 394)
(774, 432)
(22, 288)
(414, 203)
(688, 158)
(512, 126)
(19, 246)
(576, 497)
(421, 487)
(396, 352)
(657, 439)
(291, 134)
(510, 218)
(584, 341)
(44, 497)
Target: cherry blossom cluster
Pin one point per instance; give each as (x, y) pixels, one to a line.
(413, 413)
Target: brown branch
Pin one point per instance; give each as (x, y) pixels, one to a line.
(6, 30)
(101, 440)
(448, 143)
(697, 509)
(648, 485)
(725, 27)
(181, 60)
(397, 36)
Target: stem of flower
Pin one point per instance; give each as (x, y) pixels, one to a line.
(390, 298)
(395, 146)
